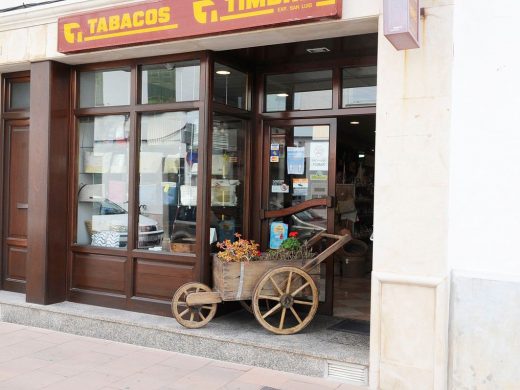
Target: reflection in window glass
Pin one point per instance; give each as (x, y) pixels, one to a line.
(20, 96)
(168, 169)
(103, 181)
(230, 87)
(359, 86)
(104, 88)
(299, 91)
(227, 177)
(299, 171)
(170, 82)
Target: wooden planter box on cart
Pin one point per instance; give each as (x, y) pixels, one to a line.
(237, 280)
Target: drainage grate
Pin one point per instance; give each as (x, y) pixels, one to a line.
(351, 373)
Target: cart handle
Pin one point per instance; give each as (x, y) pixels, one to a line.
(340, 241)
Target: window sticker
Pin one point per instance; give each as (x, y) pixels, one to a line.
(275, 153)
(295, 160)
(279, 187)
(279, 233)
(300, 187)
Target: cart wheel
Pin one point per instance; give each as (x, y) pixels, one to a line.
(246, 305)
(192, 316)
(294, 298)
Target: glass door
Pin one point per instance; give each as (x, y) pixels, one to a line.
(298, 188)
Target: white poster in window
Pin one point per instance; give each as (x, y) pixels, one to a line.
(319, 156)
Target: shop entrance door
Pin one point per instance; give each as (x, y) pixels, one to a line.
(299, 159)
(15, 204)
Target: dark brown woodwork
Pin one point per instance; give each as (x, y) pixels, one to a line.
(265, 214)
(308, 204)
(160, 279)
(14, 204)
(48, 182)
(15, 193)
(99, 273)
(148, 277)
(15, 269)
(14, 144)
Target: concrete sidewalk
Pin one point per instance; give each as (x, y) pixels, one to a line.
(34, 358)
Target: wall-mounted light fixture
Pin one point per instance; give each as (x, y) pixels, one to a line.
(401, 23)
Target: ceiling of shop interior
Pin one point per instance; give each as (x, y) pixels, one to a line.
(361, 136)
(296, 52)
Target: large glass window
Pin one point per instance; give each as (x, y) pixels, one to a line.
(230, 87)
(102, 218)
(227, 177)
(168, 171)
(299, 91)
(104, 88)
(359, 86)
(170, 82)
(20, 96)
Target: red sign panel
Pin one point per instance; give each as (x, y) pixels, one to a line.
(154, 21)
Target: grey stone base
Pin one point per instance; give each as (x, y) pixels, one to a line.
(236, 337)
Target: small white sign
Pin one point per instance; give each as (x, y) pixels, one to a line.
(319, 156)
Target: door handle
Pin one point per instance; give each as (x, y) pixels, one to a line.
(22, 206)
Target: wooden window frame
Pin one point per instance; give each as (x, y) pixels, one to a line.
(200, 260)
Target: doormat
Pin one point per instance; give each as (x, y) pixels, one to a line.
(352, 326)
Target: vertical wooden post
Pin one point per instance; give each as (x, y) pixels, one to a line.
(48, 183)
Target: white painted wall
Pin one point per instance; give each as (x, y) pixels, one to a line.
(484, 225)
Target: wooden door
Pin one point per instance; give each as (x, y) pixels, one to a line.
(298, 184)
(15, 205)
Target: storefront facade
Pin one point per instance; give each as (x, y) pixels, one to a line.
(192, 166)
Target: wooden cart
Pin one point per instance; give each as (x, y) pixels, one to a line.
(284, 295)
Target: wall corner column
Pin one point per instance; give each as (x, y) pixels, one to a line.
(48, 183)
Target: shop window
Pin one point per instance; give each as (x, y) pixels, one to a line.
(102, 216)
(104, 88)
(359, 86)
(20, 96)
(168, 171)
(230, 87)
(299, 91)
(227, 177)
(170, 82)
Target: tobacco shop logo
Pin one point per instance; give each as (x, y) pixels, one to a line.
(207, 11)
(119, 25)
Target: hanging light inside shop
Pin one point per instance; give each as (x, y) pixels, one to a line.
(223, 72)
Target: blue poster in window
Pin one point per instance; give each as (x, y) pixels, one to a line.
(295, 161)
(279, 233)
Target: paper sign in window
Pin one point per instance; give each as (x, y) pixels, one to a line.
(319, 156)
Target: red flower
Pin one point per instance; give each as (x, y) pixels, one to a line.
(293, 234)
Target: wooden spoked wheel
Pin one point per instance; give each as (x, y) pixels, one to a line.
(192, 316)
(293, 296)
(246, 305)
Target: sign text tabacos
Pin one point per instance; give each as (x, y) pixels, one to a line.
(154, 21)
